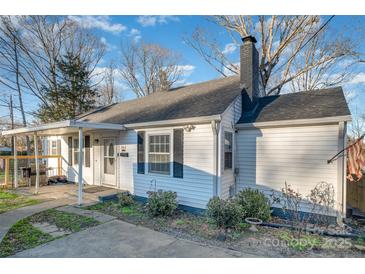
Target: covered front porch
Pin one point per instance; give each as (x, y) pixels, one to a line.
(62, 128)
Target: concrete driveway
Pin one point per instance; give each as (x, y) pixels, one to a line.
(118, 239)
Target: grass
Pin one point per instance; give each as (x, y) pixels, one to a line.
(10, 201)
(23, 235)
(64, 220)
(302, 243)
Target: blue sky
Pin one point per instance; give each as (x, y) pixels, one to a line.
(169, 31)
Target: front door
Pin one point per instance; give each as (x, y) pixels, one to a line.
(109, 162)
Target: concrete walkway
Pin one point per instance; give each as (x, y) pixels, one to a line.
(118, 239)
(9, 218)
(59, 195)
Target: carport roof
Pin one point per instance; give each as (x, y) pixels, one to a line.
(62, 127)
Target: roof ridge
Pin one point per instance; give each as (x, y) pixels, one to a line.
(159, 92)
(204, 82)
(306, 91)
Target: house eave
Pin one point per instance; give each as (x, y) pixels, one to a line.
(175, 122)
(46, 129)
(297, 122)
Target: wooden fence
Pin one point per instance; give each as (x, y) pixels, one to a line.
(8, 158)
(356, 194)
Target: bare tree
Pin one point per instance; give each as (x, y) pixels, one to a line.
(10, 65)
(46, 40)
(42, 41)
(108, 92)
(294, 49)
(357, 125)
(147, 68)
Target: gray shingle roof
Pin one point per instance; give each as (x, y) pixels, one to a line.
(202, 99)
(301, 105)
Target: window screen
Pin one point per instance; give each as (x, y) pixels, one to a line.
(69, 142)
(159, 154)
(228, 150)
(87, 151)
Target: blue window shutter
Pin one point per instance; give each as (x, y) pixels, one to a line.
(140, 151)
(178, 153)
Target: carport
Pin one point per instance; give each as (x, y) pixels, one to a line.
(56, 129)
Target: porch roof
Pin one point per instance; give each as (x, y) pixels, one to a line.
(61, 127)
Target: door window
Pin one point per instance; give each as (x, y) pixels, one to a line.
(109, 157)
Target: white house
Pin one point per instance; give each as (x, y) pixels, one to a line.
(208, 139)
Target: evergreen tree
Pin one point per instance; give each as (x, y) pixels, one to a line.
(74, 94)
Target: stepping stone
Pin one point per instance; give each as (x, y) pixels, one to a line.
(59, 233)
(101, 217)
(50, 229)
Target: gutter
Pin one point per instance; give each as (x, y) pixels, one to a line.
(281, 123)
(63, 124)
(172, 122)
(215, 127)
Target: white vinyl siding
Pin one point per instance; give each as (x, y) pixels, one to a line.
(267, 158)
(196, 187)
(229, 119)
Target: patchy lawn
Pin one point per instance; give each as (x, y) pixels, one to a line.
(10, 201)
(24, 235)
(267, 242)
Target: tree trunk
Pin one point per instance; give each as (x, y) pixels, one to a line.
(20, 95)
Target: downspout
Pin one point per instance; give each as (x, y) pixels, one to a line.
(215, 127)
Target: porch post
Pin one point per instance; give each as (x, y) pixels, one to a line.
(80, 166)
(36, 164)
(15, 164)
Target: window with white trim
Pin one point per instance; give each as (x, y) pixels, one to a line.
(76, 151)
(54, 147)
(228, 138)
(159, 154)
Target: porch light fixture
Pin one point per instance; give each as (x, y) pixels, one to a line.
(189, 128)
(96, 141)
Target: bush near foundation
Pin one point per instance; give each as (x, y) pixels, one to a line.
(161, 203)
(125, 199)
(225, 213)
(254, 203)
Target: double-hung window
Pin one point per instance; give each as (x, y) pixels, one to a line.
(159, 154)
(76, 151)
(228, 139)
(54, 147)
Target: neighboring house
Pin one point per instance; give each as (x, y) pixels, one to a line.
(209, 139)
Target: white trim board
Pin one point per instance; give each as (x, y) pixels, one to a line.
(173, 122)
(72, 124)
(314, 121)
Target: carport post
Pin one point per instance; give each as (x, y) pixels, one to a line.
(15, 164)
(80, 166)
(36, 164)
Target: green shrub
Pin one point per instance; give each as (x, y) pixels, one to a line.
(125, 198)
(225, 213)
(161, 203)
(254, 203)
(242, 226)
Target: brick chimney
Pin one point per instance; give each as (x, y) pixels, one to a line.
(249, 72)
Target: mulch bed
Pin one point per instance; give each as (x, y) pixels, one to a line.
(267, 242)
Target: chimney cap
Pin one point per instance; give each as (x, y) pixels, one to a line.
(249, 38)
